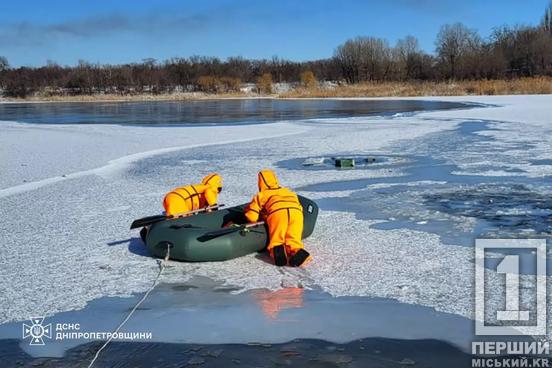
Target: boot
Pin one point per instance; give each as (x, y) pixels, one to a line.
(279, 255)
(302, 257)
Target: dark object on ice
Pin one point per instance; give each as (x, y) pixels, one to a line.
(345, 163)
(143, 234)
(199, 238)
(299, 258)
(370, 160)
(280, 258)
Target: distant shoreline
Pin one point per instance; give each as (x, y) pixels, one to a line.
(526, 86)
(132, 98)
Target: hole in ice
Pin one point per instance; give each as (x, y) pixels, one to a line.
(332, 162)
(512, 210)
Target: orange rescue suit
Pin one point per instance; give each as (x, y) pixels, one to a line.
(281, 210)
(193, 197)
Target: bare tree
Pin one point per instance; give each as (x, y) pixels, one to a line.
(455, 41)
(364, 59)
(347, 57)
(408, 54)
(527, 51)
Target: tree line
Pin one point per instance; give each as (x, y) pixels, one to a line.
(197, 73)
(460, 54)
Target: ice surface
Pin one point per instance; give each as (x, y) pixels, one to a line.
(37, 155)
(66, 241)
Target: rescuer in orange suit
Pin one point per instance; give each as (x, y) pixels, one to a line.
(281, 210)
(193, 197)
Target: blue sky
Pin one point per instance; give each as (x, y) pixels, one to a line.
(34, 31)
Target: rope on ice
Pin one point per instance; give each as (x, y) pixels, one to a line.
(162, 264)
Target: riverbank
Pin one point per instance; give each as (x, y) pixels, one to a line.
(181, 96)
(541, 85)
(529, 86)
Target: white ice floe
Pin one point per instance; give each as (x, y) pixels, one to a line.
(520, 127)
(65, 240)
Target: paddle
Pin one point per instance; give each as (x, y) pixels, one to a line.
(145, 221)
(230, 230)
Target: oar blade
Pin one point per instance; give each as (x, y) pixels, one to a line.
(147, 221)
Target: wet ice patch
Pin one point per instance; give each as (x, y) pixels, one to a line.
(507, 210)
(457, 213)
(544, 162)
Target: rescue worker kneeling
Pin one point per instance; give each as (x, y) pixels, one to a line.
(193, 197)
(281, 210)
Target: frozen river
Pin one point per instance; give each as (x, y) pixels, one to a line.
(209, 112)
(400, 228)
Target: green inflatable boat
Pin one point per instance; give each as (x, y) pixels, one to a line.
(200, 238)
